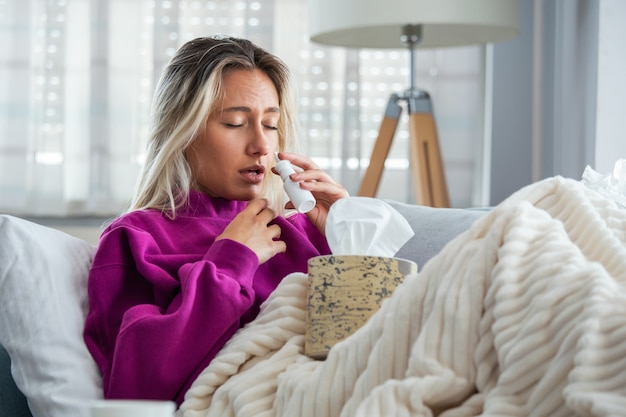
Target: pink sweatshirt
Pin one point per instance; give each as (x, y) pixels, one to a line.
(164, 297)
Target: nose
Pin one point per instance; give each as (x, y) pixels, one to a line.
(259, 143)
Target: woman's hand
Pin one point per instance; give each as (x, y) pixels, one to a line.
(325, 190)
(251, 228)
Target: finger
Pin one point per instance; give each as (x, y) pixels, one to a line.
(275, 231)
(319, 182)
(334, 191)
(266, 215)
(257, 206)
(313, 175)
(300, 161)
(279, 246)
(261, 208)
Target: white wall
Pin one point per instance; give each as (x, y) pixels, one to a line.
(86, 233)
(611, 102)
(85, 228)
(559, 93)
(511, 132)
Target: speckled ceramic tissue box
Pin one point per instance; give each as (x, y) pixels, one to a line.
(343, 292)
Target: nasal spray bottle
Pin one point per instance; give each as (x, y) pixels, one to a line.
(301, 199)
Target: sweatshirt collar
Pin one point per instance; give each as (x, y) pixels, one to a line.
(200, 204)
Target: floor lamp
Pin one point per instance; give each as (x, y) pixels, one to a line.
(411, 24)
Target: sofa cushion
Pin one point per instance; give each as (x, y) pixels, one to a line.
(12, 401)
(43, 304)
(433, 227)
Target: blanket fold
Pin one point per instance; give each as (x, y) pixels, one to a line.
(522, 315)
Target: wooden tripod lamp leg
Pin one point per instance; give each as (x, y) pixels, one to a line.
(373, 174)
(429, 179)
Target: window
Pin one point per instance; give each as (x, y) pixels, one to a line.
(77, 76)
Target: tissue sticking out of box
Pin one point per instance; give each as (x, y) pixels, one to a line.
(366, 226)
(611, 186)
(619, 176)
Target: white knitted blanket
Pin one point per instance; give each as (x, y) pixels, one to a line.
(522, 315)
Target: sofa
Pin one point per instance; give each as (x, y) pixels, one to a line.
(45, 369)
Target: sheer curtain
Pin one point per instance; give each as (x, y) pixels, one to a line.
(77, 77)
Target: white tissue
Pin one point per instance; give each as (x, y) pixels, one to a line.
(366, 226)
(611, 186)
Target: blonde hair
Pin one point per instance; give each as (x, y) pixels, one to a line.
(190, 87)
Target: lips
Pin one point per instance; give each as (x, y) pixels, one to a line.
(254, 174)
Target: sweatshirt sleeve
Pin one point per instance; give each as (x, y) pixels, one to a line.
(154, 322)
(314, 236)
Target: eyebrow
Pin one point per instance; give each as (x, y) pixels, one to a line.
(248, 109)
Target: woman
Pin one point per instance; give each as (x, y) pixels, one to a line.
(205, 240)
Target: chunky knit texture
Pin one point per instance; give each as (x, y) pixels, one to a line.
(522, 315)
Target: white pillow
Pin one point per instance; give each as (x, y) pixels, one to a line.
(43, 305)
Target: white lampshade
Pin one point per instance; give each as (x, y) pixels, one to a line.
(378, 23)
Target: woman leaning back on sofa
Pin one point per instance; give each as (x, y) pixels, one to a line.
(207, 237)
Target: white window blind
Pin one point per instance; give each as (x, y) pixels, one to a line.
(77, 77)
